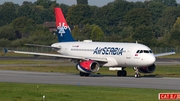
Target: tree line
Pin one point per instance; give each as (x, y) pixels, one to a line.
(153, 22)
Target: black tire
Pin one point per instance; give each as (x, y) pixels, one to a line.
(136, 75)
(139, 75)
(119, 73)
(81, 74)
(124, 73)
(86, 74)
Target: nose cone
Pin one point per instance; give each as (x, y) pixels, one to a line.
(151, 59)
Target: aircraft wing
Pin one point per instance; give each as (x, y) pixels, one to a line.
(163, 54)
(62, 56)
(42, 46)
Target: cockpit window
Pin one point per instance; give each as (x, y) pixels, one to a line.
(146, 51)
(150, 51)
(141, 51)
(138, 51)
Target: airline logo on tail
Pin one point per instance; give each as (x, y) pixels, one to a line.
(62, 29)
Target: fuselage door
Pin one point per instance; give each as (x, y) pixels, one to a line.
(128, 52)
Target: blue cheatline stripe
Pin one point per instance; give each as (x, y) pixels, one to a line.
(65, 37)
(86, 70)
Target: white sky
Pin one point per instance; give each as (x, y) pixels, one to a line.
(98, 3)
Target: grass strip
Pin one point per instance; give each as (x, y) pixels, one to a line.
(29, 92)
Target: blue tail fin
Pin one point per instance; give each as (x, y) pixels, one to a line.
(63, 31)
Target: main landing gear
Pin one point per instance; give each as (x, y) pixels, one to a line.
(121, 73)
(137, 74)
(84, 74)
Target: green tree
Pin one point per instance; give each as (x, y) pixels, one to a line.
(25, 11)
(112, 15)
(168, 18)
(139, 4)
(7, 32)
(177, 23)
(156, 9)
(27, 3)
(64, 9)
(7, 13)
(167, 2)
(79, 14)
(144, 34)
(97, 33)
(82, 2)
(126, 32)
(75, 31)
(21, 23)
(44, 3)
(137, 17)
(175, 36)
(41, 30)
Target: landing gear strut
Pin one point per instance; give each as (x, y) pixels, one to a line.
(137, 74)
(83, 74)
(121, 73)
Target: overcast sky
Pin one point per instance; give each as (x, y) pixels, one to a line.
(71, 2)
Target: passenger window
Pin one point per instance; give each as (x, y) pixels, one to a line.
(146, 51)
(138, 51)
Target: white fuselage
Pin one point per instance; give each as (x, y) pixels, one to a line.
(117, 54)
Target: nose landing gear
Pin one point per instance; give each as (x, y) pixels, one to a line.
(137, 74)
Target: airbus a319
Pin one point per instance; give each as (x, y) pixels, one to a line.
(91, 56)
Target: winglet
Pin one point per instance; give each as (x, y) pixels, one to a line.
(5, 50)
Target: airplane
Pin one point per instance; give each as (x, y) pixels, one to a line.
(90, 56)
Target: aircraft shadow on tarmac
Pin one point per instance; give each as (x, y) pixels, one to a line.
(99, 75)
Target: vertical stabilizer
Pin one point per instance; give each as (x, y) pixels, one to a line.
(63, 31)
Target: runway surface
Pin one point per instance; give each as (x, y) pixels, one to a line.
(94, 80)
(168, 83)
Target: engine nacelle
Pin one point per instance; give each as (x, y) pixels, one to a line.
(88, 66)
(149, 69)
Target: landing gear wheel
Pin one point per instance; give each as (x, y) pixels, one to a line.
(137, 75)
(83, 74)
(124, 73)
(86, 74)
(121, 73)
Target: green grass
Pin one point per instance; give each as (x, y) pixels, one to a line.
(28, 92)
(161, 71)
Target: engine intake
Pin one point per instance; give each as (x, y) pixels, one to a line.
(149, 69)
(88, 66)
